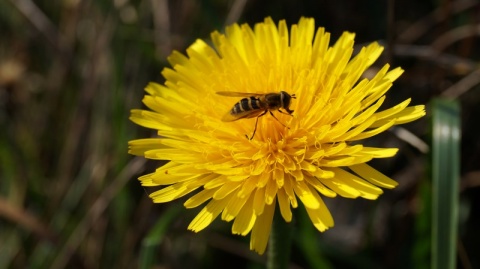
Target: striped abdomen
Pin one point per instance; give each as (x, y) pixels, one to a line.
(246, 105)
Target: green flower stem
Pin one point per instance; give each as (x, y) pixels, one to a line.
(280, 243)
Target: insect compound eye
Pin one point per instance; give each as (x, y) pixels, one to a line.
(286, 99)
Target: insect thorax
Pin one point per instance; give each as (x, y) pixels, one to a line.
(274, 100)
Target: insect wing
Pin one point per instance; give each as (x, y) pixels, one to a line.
(240, 94)
(242, 115)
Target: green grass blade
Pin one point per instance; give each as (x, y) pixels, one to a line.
(422, 247)
(156, 235)
(445, 180)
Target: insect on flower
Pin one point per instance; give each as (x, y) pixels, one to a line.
(257, 105)
(320, 156)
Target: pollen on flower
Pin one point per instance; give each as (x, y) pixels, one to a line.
(292, 158)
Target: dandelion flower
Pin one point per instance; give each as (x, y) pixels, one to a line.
(302, 157)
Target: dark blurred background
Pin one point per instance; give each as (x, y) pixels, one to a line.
(71, 70)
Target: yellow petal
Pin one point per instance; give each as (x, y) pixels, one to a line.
(378, 152)
(171, 193)
(245, 219)
(261, 229)
(235, 204)
(226, 189)
(356, 130)
(344, 161)
(320, 173)
(207, 215)
(388, 113)
(410, 114)
(320, 217)
(340, 187)
(288, 188)
(140, 146)
(199, 198)
(175, 155)
(367, 190)
(180, 189)
(394, 74)
(259, 201)
(368, 113)
(270, 192)
(333, 149)
(216, 182)
(373, 176)
(284, 205)
(306, 195)
(314, 182)
(373, 132)
(248, 186)
(149, 119)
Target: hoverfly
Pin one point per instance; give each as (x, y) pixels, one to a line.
(257, 105)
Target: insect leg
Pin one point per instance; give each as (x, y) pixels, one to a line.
(285, 112)
(256, 122)
(278, 120)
